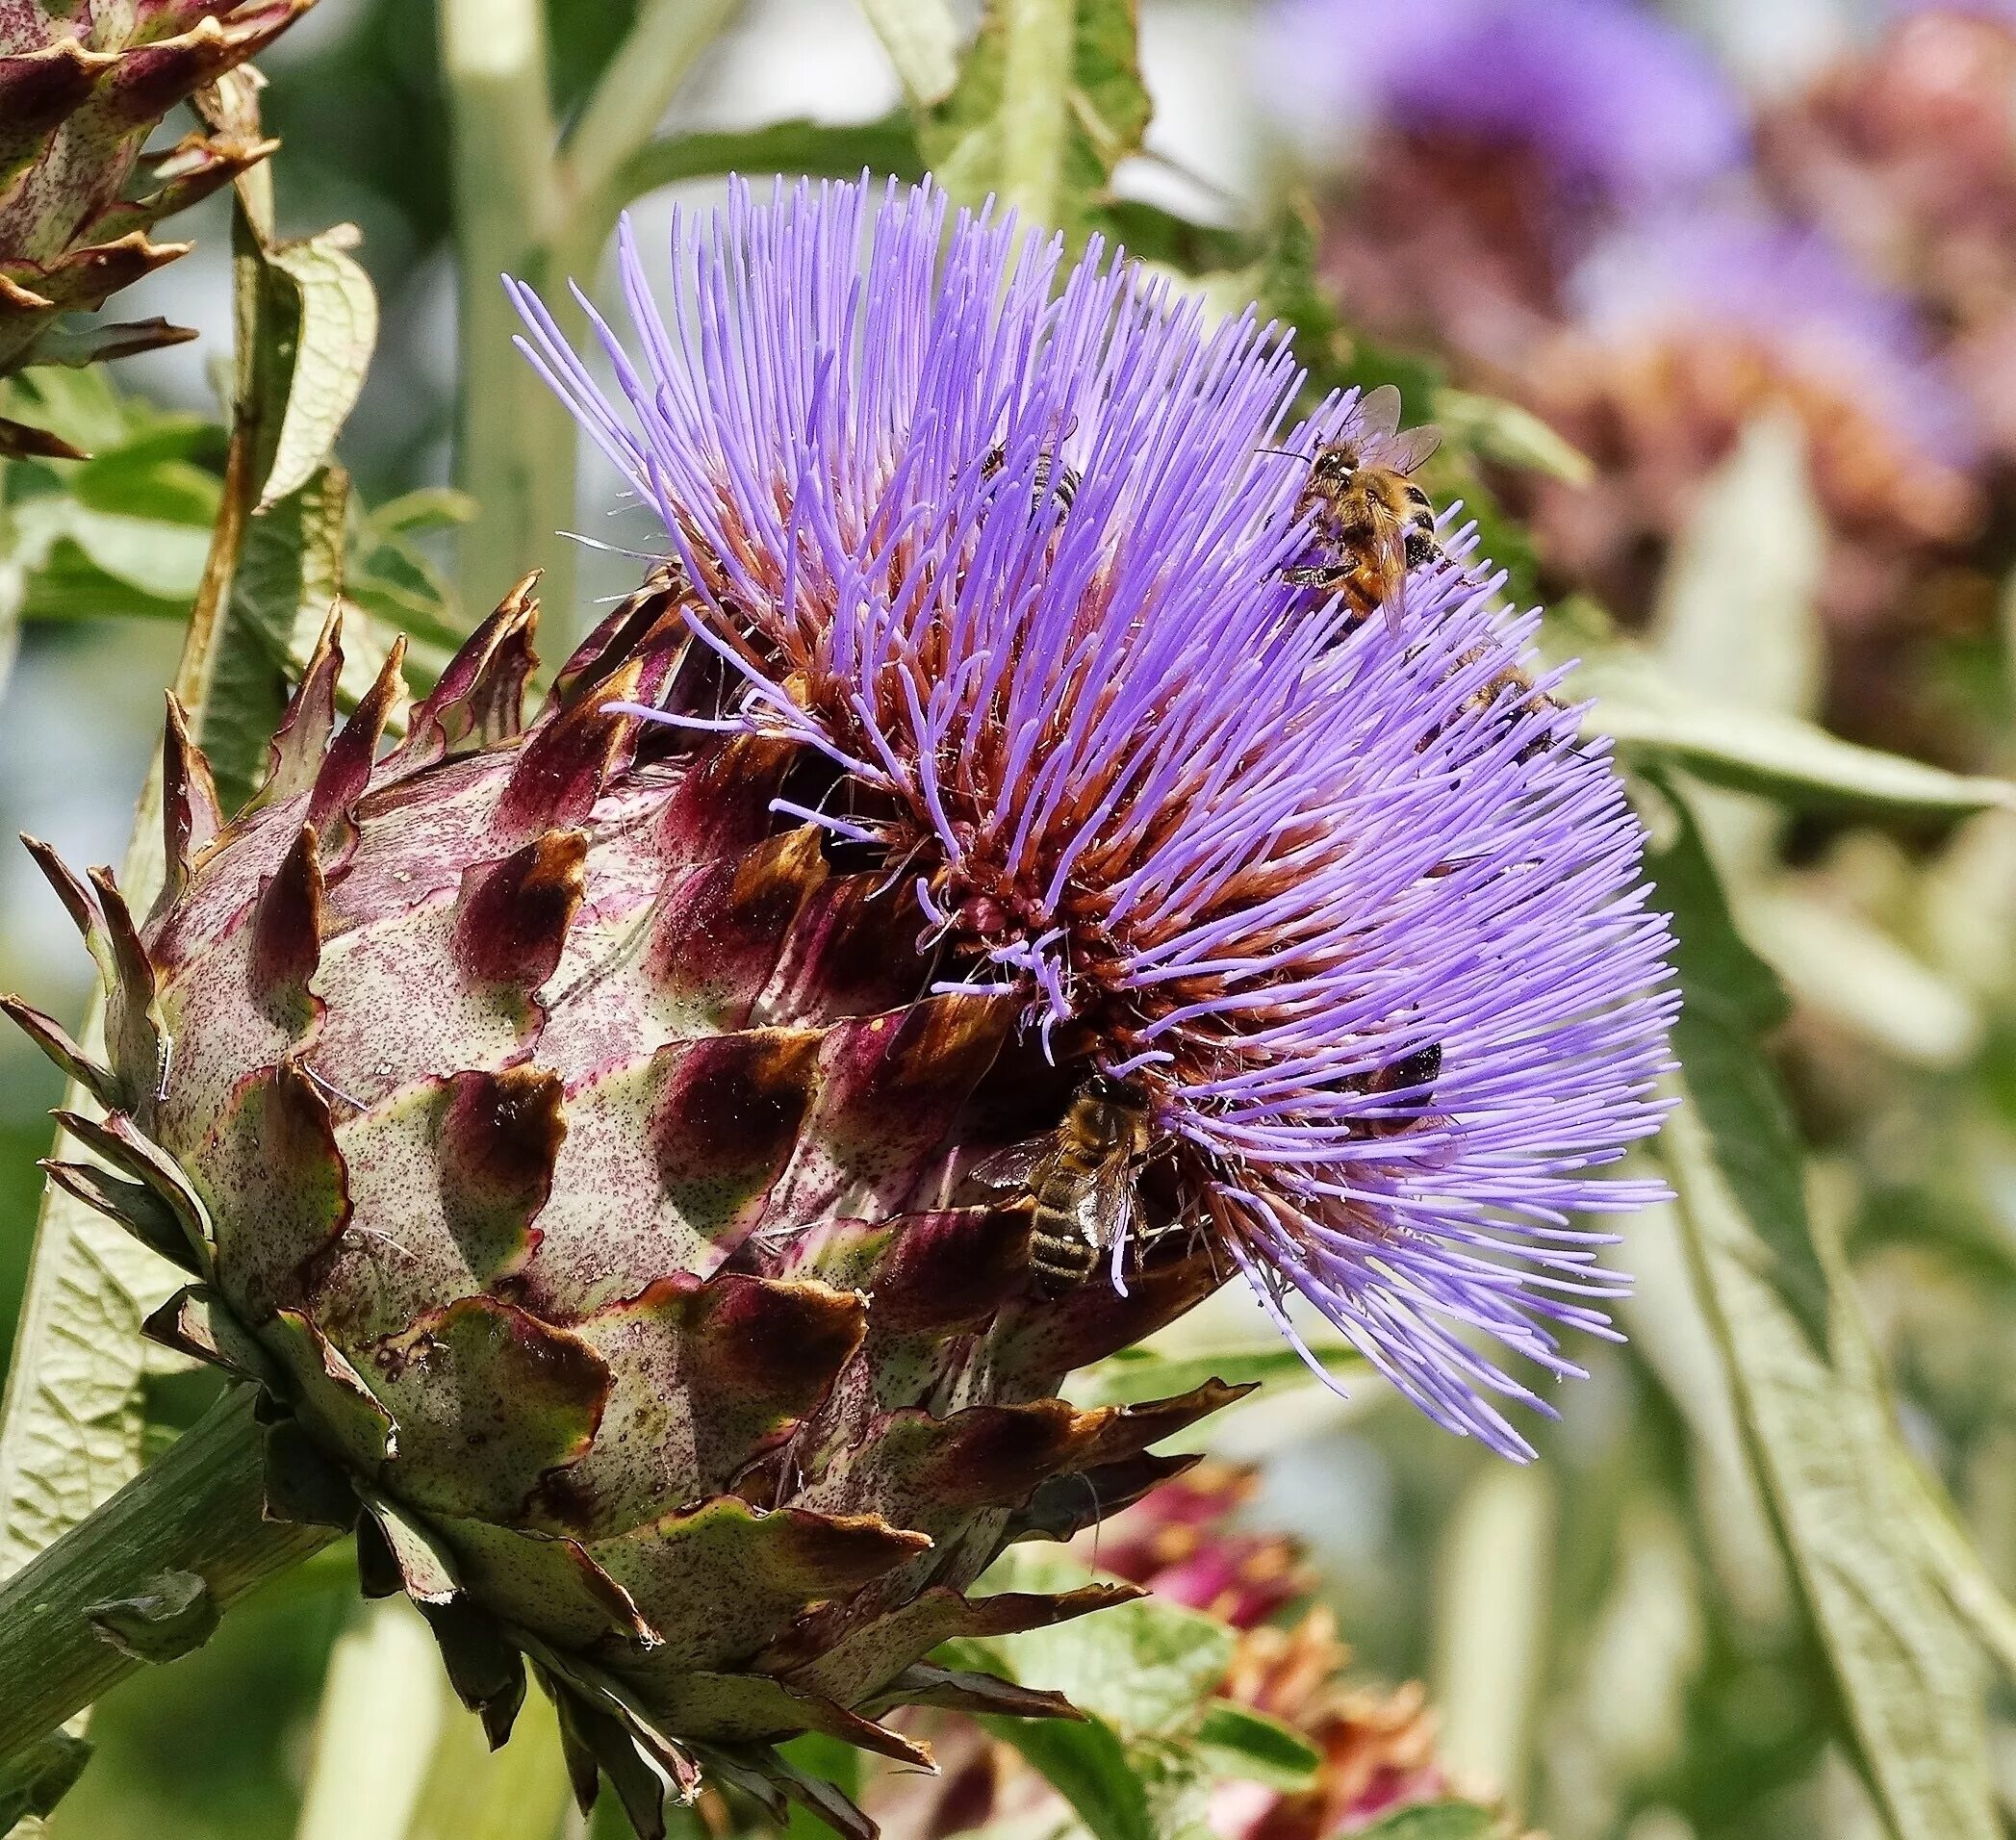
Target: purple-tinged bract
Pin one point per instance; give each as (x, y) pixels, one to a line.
(1005, 547)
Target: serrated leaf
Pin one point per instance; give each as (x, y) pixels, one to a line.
(1657, 721)
(337, 332)
(1238, 1744)
(288, 575)
(1147, 1667)
(1796, 1354)
(1049, 101)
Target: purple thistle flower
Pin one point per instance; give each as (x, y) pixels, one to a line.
(1005, 547)
(1613, 95)
(1794, 293)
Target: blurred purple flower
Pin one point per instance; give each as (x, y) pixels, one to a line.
(1127, 768)
(1611, 96)
(1790, 292)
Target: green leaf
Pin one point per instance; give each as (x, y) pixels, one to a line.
(1089, 1766)
(73, 1423)
(1494, 430)
(1656, 721)
(80, 407)
(39, 1778)
(1049, 101)
(337, 332)
(922, 38)
(385, 1714)
(288, 579)
(1147, 1667)
(1235, 1742)
(426, 508)
(1978, 1600)
(1814, 1418)
(157, 561)
(1134, 1374)
(819, 149)
(830, 1760)
(1437, 1820)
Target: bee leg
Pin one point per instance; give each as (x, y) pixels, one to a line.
(1316, 576)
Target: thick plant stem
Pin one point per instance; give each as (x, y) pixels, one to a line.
(622, 114)
(196, 1511)
(1035, 106)
(515, 449)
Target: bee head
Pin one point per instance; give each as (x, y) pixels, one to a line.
(1334, 465)
(1108, 1090)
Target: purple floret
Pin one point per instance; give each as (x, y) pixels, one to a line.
(1134, 773)
(1610, 94)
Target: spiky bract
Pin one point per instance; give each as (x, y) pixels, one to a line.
(563, 1145)
(81, 87)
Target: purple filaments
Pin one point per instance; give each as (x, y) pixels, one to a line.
(1005, 546)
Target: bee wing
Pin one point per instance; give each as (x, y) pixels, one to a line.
(1378, 413)
(1390, 566)
(1107, 1207)
(1010, 1169)
(1404, 452)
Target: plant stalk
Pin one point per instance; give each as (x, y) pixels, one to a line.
(199, 1509)
(622, 114)
(1035, 106)
(515, 447)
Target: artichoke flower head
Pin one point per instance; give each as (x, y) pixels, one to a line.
(579, 1127)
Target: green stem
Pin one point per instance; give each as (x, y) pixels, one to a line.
(198, 1510)
(631, 100)
(1035, 106)
(515, 444)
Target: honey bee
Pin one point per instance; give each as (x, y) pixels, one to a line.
(1417, 1073)
(1525, 694)
(1079, 1180)
(1373, 524)
(1051, 482)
